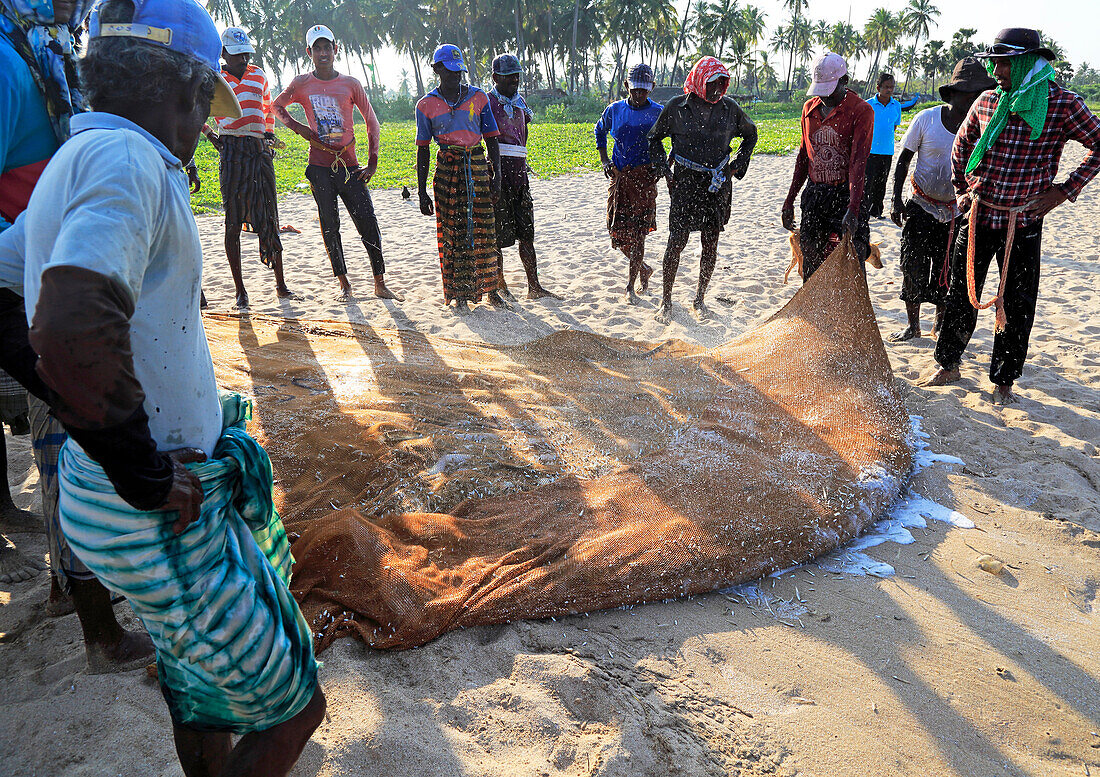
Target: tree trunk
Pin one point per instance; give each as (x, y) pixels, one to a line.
(519, 44)
(416, 73)
(573, 48)
(470, 58)
(680, 39)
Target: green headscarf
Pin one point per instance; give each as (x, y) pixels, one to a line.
(1028, 100)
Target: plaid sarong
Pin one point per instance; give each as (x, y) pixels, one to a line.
(469, 257)
(631, 206)
(233, 650)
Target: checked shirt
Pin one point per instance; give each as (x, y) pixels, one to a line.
(1015, 168)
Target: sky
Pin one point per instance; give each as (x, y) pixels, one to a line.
(1073, 23)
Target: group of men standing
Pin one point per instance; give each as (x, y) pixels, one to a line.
(161, 493)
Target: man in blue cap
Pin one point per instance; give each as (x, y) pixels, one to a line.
(514, 208)
(163, 494)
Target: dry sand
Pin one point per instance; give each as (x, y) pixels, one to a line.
(940, 669)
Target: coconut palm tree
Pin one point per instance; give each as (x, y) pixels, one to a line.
(918, 18)
(796, 7)
(934, 59)
(881, 31)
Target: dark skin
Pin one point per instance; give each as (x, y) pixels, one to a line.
(454, 91)
(1041, 205)
(508, 86)
(635, 254)
(323, 54)
(951, 115)
(235, 65)
(678, 239)
(851, 216)
(176, 121)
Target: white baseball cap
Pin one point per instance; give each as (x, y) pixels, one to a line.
(236, 41)
(829, 68)
(318, 31)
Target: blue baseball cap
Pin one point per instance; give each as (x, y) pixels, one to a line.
(182, 26)
(451, 57)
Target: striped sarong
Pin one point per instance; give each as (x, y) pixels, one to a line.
(469, 257)
(233, 650)
(247, 178)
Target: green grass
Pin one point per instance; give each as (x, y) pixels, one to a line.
(553, 149)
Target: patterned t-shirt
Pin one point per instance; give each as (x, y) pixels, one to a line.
(462, 124)
(329, 107)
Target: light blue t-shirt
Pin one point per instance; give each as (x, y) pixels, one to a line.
(887, 118)
(115, 200)
(630, 127)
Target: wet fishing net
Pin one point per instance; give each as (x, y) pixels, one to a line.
(435, 484)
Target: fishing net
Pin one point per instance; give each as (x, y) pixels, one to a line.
(436, 484)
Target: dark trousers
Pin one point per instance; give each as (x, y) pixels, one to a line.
(1021, 293)
(823, 209)
(326, 185)
(874, 190)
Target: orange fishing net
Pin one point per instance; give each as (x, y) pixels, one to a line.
(437, 484)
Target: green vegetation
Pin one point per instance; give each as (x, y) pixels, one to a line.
(553, 149)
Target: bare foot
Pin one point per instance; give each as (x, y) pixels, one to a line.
(345, 295)
(59, 603)
(538, 292)
(285, 293)
(15, 567)
(700, 310)
(630, 298)
(644, 275)
(1002, 395)
(462, 307)
(498, 301)
(382, 291)
(242, 301)
(941, 377)
(133, 650)
(905, 334)
(664, 314)
(506, 294)
(14, 519)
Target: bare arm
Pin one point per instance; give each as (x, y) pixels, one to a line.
(901, 171)
(492, 146)
(423, 159)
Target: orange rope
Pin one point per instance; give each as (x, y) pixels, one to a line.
(998, 302)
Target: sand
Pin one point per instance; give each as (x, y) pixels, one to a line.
(940, 668)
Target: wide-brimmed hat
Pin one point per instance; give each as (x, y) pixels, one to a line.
(1015, 42)
(969, 75)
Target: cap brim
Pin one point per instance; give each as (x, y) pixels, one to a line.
(822, 89)
(647, 85)
(239, 48)
(225, 101)
(505, 72)
(459, 68)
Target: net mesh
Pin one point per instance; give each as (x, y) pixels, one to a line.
(436, 484)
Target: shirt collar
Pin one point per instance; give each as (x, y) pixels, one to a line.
(100, 120)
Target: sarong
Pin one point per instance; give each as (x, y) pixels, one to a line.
(515, 215)
(631, 206)
(693, 207)
(247, 177)
(925, 274)
(13, 404)
(469, 257)
(233, 650)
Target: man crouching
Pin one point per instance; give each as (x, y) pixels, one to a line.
(164, 496)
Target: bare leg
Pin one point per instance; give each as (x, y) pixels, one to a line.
(1002, 395)
(635, 253)
(912, 312)
(274, 751)
(233, 254)
(937, 322)
(58, 603)
(109, 647)
(676, 243)
(707, 260)
(12, 517)
(535, 289)
(280, 284)
(382, 291)
(202, 753)
(345, 287)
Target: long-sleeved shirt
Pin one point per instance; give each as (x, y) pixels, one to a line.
(257, 115)
(701, 132)
(835, 149)
(329, 107)
(1015, 169)
(630, 127)
(887, 118)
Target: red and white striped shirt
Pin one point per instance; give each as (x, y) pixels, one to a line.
(257, 116)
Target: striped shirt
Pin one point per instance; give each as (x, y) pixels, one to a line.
(253, 94)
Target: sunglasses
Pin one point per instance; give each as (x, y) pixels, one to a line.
(1005, 50)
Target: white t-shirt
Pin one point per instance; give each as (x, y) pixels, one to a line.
(115, 201)
(931, 142)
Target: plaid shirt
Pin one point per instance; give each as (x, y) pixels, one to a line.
(1015, 169)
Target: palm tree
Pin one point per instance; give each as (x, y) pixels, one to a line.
(934, 60)
(880, 31)
(919, 17)
(405, 26)
(753, 28)
(796, 7)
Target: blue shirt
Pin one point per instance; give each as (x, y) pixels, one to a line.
(629, 126)
(114, 200)
(887, 118)
(26, 136)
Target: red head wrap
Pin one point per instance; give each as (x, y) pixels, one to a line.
(704, 70)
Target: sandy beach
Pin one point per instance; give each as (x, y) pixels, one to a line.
(937, 669)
